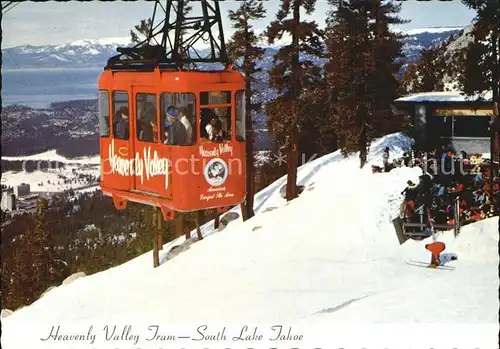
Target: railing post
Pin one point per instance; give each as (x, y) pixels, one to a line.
(456, 212)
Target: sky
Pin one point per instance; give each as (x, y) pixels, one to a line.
(53, 23)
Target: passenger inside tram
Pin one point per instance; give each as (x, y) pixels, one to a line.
(207, 114)
(213, 127)
(121, 126)
(146, 123)
(185, 120)
(175, 132)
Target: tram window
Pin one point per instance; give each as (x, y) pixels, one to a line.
(121, 123)
(147, 129)
(178, 118)
(240, 102)
(215, 97)
(216, 124)
(103, 113)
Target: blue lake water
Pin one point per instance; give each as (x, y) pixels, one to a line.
(37, 88)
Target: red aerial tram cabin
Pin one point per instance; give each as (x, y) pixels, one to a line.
(170, 136)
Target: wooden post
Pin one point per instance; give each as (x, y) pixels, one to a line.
(159, 227)
(198, 230)
(156, 253)
(422, 216)
(398, 226)
(456, 211)
(217, 221)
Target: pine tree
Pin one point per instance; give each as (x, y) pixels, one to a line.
(409, 81)
(289, 75)
(32, 263)
(141, 31)
(186, 10)
(431, 69)
(243, 47)
(387, 51)
(361, 71)
(481, 68)
(318, 135)
(428, 74)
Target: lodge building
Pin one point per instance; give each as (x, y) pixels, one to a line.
(449, 120)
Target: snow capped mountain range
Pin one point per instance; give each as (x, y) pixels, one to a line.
(95, 52)
(432, 30)
(81, 53)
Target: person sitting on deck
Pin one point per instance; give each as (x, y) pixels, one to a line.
(406, 159)
(458, 187)
(410, 191)
(385, 159)
(478, 178)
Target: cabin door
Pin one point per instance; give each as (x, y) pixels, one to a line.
(118, 172)
(150, 156)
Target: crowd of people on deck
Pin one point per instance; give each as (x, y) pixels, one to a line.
(448, 180)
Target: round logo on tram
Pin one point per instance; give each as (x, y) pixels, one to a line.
(216, 172)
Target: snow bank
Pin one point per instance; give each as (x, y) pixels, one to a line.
(51, 155)
(466, 245)
(330, 256)
(435, 30)
(442, 96)
(73, 168)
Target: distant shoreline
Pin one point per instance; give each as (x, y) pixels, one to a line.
(50, 105)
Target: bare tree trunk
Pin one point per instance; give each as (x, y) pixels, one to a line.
(363, 136)
(250, 178)
(247, 208)
(291, 188)
(179, 224)
(363, 151)
(495, 37)
(217, 221)
(198, 230)
(156, 253)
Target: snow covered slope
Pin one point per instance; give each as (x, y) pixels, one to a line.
(52, 155)
(79, 174)
(330, 256)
